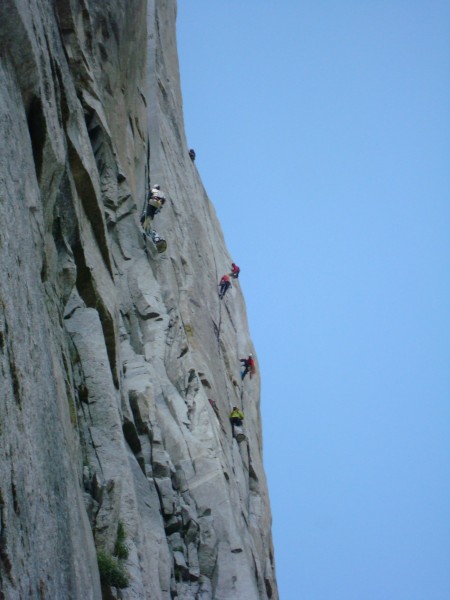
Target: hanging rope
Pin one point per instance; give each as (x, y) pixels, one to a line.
(217, 327)
(146, 193)
(146, 178)
(220, 319)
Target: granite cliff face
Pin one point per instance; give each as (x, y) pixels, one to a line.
(108, 353)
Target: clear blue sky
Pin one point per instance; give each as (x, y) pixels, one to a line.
(322, 132)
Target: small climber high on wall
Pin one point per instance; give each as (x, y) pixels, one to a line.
(249, 366)
(235, 270)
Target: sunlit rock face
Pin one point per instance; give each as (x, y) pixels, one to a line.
(109, 351)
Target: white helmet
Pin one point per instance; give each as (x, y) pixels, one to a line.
(156, 187)
(251, 355)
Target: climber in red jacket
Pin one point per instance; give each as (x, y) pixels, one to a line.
(224, 284)
(235, 270)
(249, 366)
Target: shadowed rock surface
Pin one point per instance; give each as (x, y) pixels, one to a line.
(109, 353)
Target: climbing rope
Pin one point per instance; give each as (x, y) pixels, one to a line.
(217, 330)
(220, 319)
(146, 178)
(218, 327)
(143, 217)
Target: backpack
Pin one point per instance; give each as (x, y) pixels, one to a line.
(159, 241)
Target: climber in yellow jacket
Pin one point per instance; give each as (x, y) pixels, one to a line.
(236, 416)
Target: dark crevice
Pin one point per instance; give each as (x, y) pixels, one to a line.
(15, 501)
(131, 435)
(141, 427)
(151, 315)
(102, 50)
(57, 234)
(37, 128)
(4, 556)
(44, 274)
(83, 394)
(88, 197)
(87, 292)
(216, 330)
(66, 227)
(110, 339)
(161, 505)
(87, 28)
(184, 351)
(268, 585)
(84, 277)
(255, 568)
(15, 382)
(63, 104)
(252, 473)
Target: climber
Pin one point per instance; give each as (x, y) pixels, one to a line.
(156, 192)
(236, 418)
(235, 270)
(192, 154)
(224, 284)
(155, 202)
(249, 366)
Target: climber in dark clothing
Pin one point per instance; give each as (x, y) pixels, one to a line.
(235, 270)
(192, 154)
(236, 417)
(249, 366)
(224, 284)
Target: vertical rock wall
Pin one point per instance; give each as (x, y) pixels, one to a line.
(108, 353)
